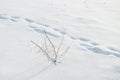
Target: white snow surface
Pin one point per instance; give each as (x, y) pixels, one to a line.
(92, 26)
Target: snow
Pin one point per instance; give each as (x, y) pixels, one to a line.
(92, 26)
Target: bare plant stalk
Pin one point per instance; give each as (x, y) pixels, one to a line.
(51, 43)
(55, 51)
(61, 42)
(63, 54)
(45, 45)
(43, 51)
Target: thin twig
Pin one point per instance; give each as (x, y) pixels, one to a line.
(43, 51)
(45, 45)
(51, 45)
(63, 54)
(61, 42)
(55, 51)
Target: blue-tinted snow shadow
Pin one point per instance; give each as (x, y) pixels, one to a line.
(29, 20)
(89, 41)
(79, 38)
(13, 20)
(104, 52)
(117, 55)
(94, 43)
(58, 30)
(85, 45)
(99, 51)
(93, 46)
(43, 24)
(15, 17)
(113, 49)
(84, 39)
(3, 17)
(42, 31)
(32, 21)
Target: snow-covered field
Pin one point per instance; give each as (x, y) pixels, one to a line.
(92, 26)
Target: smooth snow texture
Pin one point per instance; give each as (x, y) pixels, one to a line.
(92, 25)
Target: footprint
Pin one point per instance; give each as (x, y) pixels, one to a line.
(51, 34)
(94, 44)
(3, 17)
(84, 39)
(117, 55)
(86, 45)
(62, 32)
(39, 30)
(33, 27)
(42, 31)
(43, 24)
(74, 38)
(29, 20)
(99, 51)
(15, 17)
(13, 20)
(113, 49)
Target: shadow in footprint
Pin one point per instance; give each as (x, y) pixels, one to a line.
(113, 49)
(3, 17)
(29, 20)
(33, 27)
(94, 44)
(15, 17)
(39, 30)
(84, 39)
(43, 24)
(99, 51)
(51, 34)
(86, 45)
(62, 32)
(104, 52)
(77, 38)
(117, 55)
(42, 31)
(13, 20)
(74, 38)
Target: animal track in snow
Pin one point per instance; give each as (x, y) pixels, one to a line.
(88, 44)
(94, 47)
